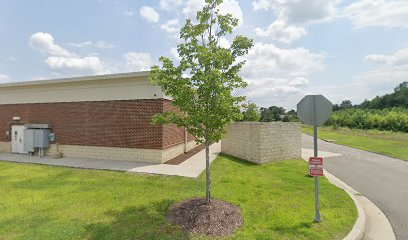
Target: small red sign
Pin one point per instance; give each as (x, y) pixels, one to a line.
(316, 166)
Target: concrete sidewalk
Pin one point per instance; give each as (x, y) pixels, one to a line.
(192, 167)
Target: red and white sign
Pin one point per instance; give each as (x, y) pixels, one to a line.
(316, 166)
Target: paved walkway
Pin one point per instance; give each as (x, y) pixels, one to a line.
(383, 180)
(192, 167)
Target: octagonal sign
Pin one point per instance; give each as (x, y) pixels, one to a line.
(314, 109)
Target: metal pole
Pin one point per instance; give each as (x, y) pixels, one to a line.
(317, 217)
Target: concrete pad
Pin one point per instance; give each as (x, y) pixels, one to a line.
(192, 167)
(307, 153)
(73, 162)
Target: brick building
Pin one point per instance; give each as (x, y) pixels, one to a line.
(104, 117)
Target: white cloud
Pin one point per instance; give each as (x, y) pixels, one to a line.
(278, 30)
(388, 71)
(262, 4)
(3, 77)
(81, 44)
(138, 61)
(128, 13)
(224, 43)
(293, 15)
(228, 6)
(167, 5)
(383, 13)
(8, 59)
(191, 7)
(149, 14)
(171, 26)
(61, 59)
(97, 44)
(83, 65)
(391, 69)
(310, 11)
(102, 44)
(12, 59)
(233, 7)
(266, 59)
(300, 12)
(44, 43)
(299, 82)
(278, 76)
(398, 58)
(174, 54)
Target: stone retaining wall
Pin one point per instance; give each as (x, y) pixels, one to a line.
(263, 142)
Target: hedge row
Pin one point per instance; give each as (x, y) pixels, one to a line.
(394, 119)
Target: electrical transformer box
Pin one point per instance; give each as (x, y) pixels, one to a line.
(36, 137)
(41, 138)
(28, 140)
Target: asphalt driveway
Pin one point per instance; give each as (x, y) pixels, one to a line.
(384, 180)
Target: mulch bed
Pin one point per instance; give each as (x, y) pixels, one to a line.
(218, 218)
(183, 157)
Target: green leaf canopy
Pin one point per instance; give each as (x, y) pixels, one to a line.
(203, 84)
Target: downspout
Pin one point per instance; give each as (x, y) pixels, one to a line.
(185, 140)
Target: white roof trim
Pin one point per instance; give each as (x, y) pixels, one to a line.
(76, 79)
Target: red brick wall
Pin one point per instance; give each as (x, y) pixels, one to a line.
(108, 123)
(171, 133)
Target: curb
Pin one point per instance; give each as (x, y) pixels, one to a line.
(371, 222)
(359, 228)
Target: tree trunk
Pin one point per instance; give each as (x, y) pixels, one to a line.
(207, 171)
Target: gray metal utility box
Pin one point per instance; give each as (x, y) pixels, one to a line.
(41, 138)
(36, 136)
(28, 140)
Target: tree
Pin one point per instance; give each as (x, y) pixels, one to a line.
(346, 104)
(399, 98)
(290, 116)
(202, 84)
(272, 114)
(401, 87)
(251, 113)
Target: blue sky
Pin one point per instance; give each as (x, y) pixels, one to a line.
(342, 49)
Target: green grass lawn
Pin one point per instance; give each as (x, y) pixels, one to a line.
(387, 143)
(277, 202)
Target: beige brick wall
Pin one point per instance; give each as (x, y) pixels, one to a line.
(5, 147)
(121, 154)
(174, 151)
(113, 153)
(263, 142)
(108, 153)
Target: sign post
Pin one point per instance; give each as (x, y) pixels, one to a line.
(315, 110)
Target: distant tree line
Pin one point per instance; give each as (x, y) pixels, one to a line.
(388, 112)
(253, 113)
(398, 99)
